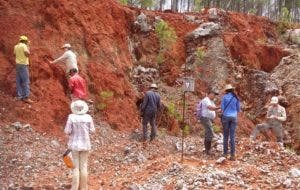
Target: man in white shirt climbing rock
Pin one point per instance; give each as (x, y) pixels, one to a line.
(69, 57)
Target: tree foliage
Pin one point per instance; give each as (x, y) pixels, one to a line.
(166, 34)
(269, 8)
(123, 2)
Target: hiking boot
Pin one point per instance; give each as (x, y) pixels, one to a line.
(225, 155)
(27, 100)
(152, 138)
(232, 158)
(207, 145)
(209, 152)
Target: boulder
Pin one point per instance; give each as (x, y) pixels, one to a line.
(205, 29)
(141, 21)
(213, 14)
(293, 36)
(294, 172)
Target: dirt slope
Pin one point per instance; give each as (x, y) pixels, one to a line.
(101, 33)
(99, 38)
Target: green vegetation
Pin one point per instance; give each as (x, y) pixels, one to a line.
(198, 5)
(160, 58)
(284, 21)
(186, 130)
(104, 96)
(123, 2)
(166, 35)
(173, 112)
(217, 129)
(146, 3)
(200, 53)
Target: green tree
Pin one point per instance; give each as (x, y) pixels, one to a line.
(198, 5)
(123, 2)
(146, 3)
(166, 34)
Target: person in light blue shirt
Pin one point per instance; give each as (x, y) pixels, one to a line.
(230, 107)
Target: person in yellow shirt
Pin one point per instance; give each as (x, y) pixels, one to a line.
(21, 51)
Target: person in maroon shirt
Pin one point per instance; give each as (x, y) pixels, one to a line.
(77, 86)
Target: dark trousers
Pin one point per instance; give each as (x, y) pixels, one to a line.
(209, 134)
(149, 117)
(229, 128)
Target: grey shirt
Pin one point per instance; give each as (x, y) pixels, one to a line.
(151, 102)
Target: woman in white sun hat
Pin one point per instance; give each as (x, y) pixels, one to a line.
(78, 127)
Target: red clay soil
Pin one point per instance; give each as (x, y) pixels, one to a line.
(98, 32)
(249, 38)
(100, 40)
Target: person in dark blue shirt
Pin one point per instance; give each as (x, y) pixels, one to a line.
(230, 107)
(149, 109)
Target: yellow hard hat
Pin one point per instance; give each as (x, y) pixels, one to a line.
(23, 38)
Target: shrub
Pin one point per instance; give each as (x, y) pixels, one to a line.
(104, 96)
(198, 5)
(200, 53)
(123, 2)
(284, 21)
(146, 3)
(173, 112)
(160, 58)
(216, 129)
(166, 35)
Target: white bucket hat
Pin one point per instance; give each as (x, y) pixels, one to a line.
(228, 87)
(153, 86)
(66, 46)
(79, 107)
(274, 100)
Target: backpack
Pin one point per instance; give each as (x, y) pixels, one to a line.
(199, 110)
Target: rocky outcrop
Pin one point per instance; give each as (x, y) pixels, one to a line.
(286, 77)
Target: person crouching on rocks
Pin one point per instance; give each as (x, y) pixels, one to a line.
(206, 114)
(149, 109)
(275, 116)
(78, 127)
(230, 106)
(77, 85)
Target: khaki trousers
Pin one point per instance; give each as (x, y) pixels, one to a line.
(80, 172)
(276, 128)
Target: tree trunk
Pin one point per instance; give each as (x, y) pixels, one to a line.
(161, 3)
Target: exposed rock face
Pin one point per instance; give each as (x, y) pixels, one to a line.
(141, 21)
(286, 76)
(205, 29)
(293, 36)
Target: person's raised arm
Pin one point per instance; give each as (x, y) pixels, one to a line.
(61, 58)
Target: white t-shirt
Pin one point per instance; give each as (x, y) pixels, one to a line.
(70, 59)
(207, 112)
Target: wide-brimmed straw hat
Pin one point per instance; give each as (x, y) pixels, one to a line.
(274, 100)
(153, 86)
(228, 87)
(66, 46)
(79, 107)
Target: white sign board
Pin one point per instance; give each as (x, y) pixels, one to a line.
(188, 84)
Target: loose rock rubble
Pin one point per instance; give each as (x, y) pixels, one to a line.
(31, 160)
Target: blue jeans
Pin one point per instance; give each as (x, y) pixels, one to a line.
(149, 117)
(229, 127)
(22, 81)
